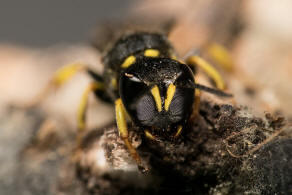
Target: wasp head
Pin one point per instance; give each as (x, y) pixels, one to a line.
(158, 94)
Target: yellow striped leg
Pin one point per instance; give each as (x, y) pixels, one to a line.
(81, 114)
(208, 69)
(62, 75)
(220, 55)
(123, 130)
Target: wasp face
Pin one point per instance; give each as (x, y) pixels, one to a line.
(158, 94)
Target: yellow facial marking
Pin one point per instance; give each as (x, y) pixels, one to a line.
(169, 95)
(151, 53)
(128, 61)
(157, 97)
(179, 129)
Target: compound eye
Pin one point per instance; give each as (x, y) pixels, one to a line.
(181, 104)
(145, 109)
(131, 86)
(136, 97)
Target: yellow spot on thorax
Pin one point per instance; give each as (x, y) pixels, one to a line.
(169, 95)
(151, 53)
(157, 97)
(128, 61)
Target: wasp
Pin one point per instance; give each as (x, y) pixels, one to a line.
(144, 80)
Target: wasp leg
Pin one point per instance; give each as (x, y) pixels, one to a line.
(100, 93)
(196, 105)
(150, 136)
(61, 76)
(123, 130)
(81, 114)
(178, 131)
(220, 56)
(67, 72)
(208, 69)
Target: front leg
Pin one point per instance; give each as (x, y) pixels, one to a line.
(123, 130)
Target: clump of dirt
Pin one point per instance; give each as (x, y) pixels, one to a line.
(225, 150)
(221, 152)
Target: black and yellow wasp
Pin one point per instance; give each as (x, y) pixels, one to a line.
(145, 81)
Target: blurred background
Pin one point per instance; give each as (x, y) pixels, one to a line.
(38, 37)
(41, 24)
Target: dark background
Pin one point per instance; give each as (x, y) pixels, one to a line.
(44, 23)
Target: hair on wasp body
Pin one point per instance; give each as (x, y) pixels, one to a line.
(144, 80)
